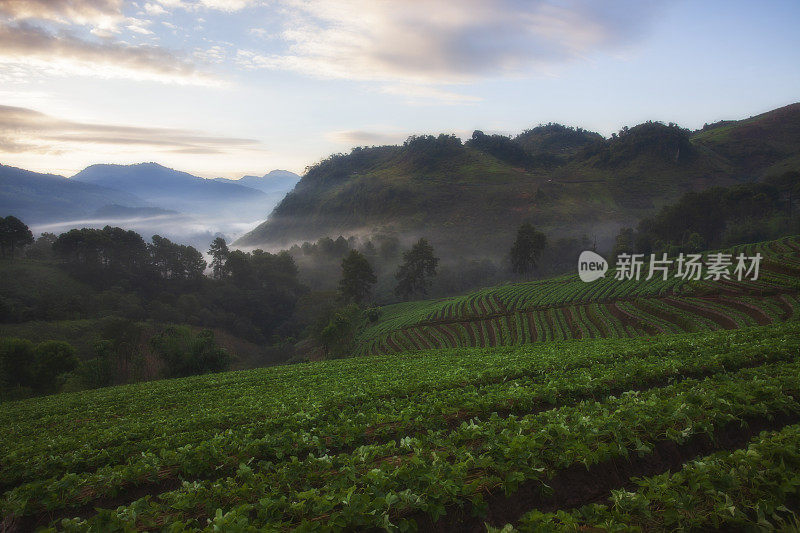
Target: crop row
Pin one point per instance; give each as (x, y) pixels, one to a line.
(118, 459)
(744, 490)
(391, 485)
(425, 398)
(623, 318)
(779, 273)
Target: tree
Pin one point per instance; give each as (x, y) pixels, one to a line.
(357, 278)
(176, 261)
(418, 266)
(42, 249)
(185, 353)
(623, 244)
(53, 358)
(16, 362)
(335, 334)
(219, 253)
(527, 248)
(14, 234)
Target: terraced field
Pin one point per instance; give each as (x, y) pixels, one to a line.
(567, 308)
(690, 431)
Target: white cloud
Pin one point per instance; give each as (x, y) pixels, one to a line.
(139, 26)
(27, 130)
(261, 33)
(365, 138)
(445, 41)
(229, 6)
(427, 94)
(33, 48)
(214, 54)
(98, 13)
(154, 10)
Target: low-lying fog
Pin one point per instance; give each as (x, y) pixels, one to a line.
(184, 229)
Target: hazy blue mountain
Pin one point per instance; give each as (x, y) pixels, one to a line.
(276, 181)
(165, 187)
(37, 198)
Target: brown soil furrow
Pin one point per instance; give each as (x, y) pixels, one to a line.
(785, 306)
(722, 320)
(630, 320)
(750, 310)
(451, 338)
(575, 331)
(530, 316)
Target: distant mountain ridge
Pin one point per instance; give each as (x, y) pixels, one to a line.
(147, 197)
(162, 186)
(276, 181)
(36, 197)
(567, 181)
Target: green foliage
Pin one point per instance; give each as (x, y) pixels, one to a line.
(565, 307)
(26, 368)
(175, 261)
(53, 358)
(219, 252)
(623, 243)
(418, 266)
(185, 353)
(575, 181)
(42, 248)
(335, 334)
(382, 442)
(17, 362)
(357, 278)
(527, 249)
(501, 147)
(14, 234)
(113, 272)
(723, 217)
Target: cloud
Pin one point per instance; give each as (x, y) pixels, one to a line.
(445, 41)
(364, 138)
(427, 94)
(27, 130)
(101, 13)
(154, 10)
(229, 6)
(26, 45)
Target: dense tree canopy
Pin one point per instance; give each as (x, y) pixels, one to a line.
(527, 249)
(219, 253)
(418, 266)
(14, 234)
(357, 278)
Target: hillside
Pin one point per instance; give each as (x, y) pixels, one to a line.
(548, 437)
(566, 181)
(38, 198)
(567, 308)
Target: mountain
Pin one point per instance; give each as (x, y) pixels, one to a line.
(39, 198)
(276, 181)
(567, 181)
(162, 186)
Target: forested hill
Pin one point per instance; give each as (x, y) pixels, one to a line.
(564, 180)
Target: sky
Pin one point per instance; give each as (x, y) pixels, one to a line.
(224, 88)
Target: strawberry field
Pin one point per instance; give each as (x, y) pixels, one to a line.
(616, 434)
(567, 308)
